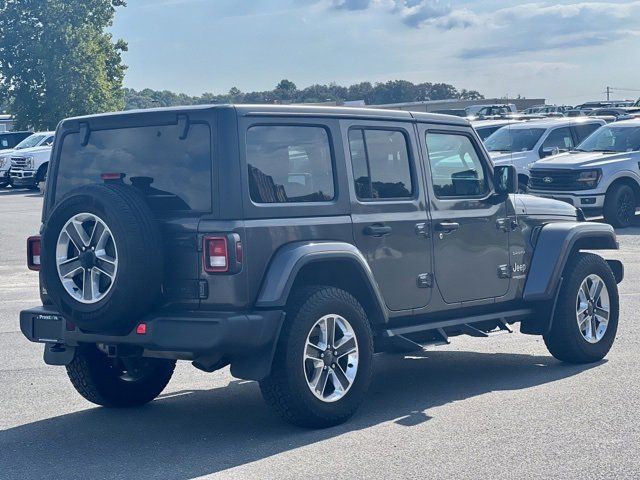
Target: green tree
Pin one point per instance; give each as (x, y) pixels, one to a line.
(57, 60)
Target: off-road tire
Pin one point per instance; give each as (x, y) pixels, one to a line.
(286, 389)
(617, 211)
(137, 286)
(41, 176)
(96, 377)
(564, 341)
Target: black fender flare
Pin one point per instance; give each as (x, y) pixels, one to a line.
(291, 258)
(555, 243)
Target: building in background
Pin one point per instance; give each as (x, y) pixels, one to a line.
(6, 123)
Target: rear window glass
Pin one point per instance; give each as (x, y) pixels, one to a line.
(289, 164)
(173, 174)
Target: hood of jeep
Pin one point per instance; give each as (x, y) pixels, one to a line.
(586, 159)
(547, 207)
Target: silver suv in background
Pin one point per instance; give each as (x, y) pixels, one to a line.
(600, 176)
(523, 144)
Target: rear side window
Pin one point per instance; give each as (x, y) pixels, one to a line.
(380, 160)
(289, 164)
(173, 174)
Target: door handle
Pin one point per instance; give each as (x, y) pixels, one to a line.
(447, 227)
(377, 230)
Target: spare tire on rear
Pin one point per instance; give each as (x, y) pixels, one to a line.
(102, 261)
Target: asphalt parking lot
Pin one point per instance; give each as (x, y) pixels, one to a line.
(494, 408)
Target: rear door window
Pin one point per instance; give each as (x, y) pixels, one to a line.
(289, 164)
(173, 174)
(380, 160)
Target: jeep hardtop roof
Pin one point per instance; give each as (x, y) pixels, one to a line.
(276, 110)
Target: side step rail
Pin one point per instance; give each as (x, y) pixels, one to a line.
(397, 336)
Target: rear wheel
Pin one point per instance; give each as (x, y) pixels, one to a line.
(620, 206)
(323, 363)
(117, 382)
(586, 319)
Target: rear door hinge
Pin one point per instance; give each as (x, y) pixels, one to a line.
(422, 229)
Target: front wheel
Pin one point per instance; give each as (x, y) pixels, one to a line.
(586, 318)
(324, 359)
(620, 206)
(116, 382)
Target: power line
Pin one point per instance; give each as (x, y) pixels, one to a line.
(627, 89)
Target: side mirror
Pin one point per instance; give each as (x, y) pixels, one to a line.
(547, 152)
(505, 179)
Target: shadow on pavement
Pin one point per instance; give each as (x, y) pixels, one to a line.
(187, 434)
(6, 192)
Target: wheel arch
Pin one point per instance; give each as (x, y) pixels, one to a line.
(42, 168)
(555, 244)
(337, 264)
(626, 180)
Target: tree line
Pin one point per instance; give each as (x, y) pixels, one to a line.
(393, 91)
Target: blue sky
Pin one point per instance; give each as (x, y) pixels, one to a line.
(565, 51)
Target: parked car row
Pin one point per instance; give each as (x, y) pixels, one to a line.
(584, 161)
(26, 164)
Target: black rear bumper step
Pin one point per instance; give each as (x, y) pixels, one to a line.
(195, 332)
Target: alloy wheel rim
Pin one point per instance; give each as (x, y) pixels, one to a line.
(625, 208)
(593, 308)
(330, 359)
(86, 258)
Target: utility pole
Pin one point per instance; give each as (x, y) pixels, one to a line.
(608, 93)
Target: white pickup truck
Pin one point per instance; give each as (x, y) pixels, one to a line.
(29, 161)
(523, 144)
(602, 175)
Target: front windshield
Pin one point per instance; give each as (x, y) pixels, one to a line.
(31, 141)
(509, 139)
(612, 139)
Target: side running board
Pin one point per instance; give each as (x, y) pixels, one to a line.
(397, 337)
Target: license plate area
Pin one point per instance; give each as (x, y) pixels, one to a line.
(48, 328)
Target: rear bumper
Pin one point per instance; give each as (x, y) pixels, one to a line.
(230, 334)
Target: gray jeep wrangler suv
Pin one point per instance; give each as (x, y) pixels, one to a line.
(293, 243)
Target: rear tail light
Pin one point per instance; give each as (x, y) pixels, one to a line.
(222, 253)
(33, 253)
(216, 254)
